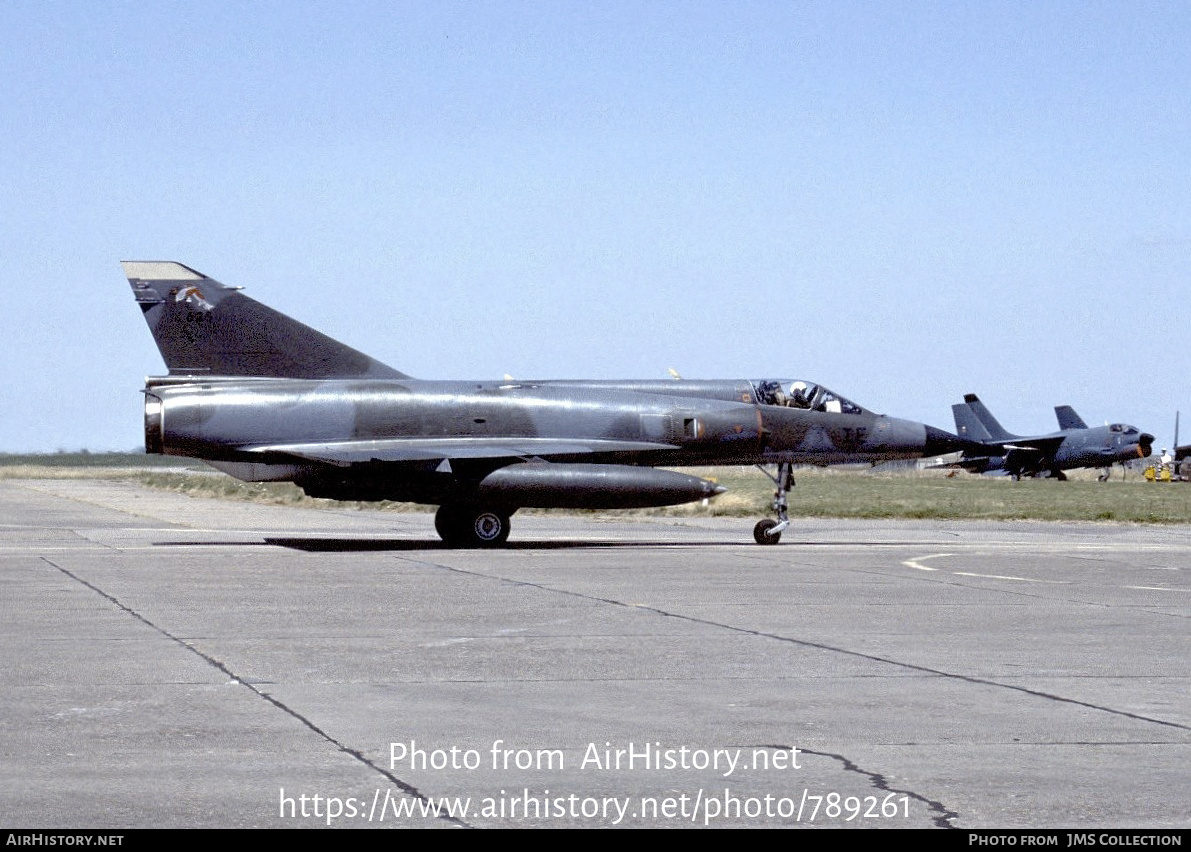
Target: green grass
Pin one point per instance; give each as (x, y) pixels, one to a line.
(975, 497)
(86, 460)
(931, 494)
(831, 493)
(224, 487)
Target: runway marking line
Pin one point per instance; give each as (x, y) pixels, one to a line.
(1005, 577)
(917, 563)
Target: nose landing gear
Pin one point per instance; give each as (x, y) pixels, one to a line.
(769, 531)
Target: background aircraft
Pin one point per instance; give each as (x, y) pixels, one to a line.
(1075, 445)
(265, 398)
(1181, 451)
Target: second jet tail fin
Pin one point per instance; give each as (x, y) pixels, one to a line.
(995, 431)
(1068, 419)
(967, 425)
(202, 327)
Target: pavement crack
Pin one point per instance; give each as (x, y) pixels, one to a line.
(806, 643)
(404, 787)
(942, 815)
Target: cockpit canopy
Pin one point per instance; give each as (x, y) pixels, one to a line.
(1123, 428)
(805, 395)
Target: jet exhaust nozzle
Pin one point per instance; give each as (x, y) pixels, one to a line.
(940, 443)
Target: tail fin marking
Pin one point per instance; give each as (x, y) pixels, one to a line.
(202, 327)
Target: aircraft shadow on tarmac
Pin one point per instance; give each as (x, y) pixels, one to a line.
(365, 545)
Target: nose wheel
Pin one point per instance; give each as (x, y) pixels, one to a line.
(769, 531)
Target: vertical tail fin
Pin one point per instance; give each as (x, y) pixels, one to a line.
(204, 328)
(1068, 419)
(986, 419)
(966, 424)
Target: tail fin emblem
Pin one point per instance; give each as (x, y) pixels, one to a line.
(194, 296)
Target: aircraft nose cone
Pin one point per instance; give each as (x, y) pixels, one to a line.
(1145, 445)
(940, 443)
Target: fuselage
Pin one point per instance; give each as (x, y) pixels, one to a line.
(1096, 447)
(1102, 446)
(685, 423)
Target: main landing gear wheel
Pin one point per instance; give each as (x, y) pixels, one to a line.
(461, 526)
(489, 529)
(769, 531)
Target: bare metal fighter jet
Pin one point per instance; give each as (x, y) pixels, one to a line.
(1074, 445)
(266, 398)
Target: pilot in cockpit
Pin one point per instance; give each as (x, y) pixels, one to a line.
(800, 395)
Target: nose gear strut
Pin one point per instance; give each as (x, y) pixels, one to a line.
(769, 531)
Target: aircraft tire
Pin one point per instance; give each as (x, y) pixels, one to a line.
(761, 533)
(463, 526)
(449, 524)
(487, 528)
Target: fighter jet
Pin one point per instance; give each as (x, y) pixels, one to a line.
(1075, 445)
(265, 398)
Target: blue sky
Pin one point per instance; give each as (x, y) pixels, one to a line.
(903, 201)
